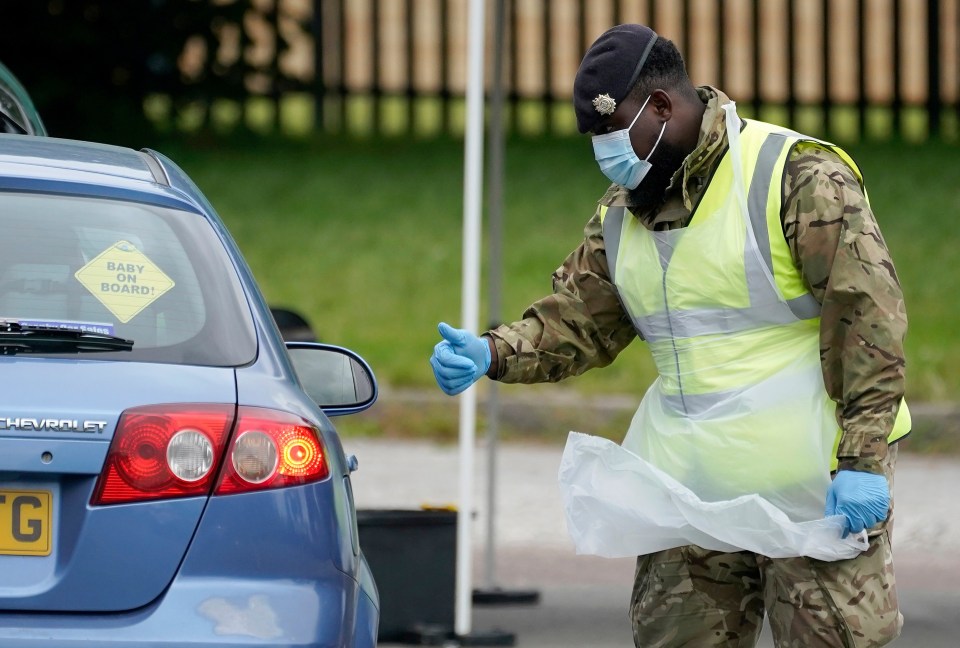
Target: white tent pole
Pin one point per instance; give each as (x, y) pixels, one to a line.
(472, 202)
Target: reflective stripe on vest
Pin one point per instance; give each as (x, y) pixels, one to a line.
(709, 321)
(727, 320)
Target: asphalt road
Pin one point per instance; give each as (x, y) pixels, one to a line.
(582, 600)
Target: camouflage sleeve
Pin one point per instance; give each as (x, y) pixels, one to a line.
(836, 242)
(580, 326)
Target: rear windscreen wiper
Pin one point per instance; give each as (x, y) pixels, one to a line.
(23, 338)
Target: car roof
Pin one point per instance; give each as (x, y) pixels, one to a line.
(89, 168)
(15, 103)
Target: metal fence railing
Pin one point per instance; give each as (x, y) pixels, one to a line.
(867, 67)
(858, 68)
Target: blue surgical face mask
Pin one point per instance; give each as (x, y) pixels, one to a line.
(616, 157)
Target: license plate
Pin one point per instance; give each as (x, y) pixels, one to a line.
(25, 522)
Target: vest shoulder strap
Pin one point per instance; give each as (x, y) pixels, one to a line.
(771, 146)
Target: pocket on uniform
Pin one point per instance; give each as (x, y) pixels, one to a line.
(664, 587)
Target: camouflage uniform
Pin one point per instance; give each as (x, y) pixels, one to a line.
(837, 246)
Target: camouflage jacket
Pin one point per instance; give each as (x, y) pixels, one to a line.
(836, 245)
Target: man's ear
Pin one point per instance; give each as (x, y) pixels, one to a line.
(662, 104)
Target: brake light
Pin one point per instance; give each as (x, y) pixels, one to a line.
(271, 449)
(164, 451)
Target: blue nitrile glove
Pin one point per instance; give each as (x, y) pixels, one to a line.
(862, 497)
(459, 360)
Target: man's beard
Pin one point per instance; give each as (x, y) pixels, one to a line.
(663, 164)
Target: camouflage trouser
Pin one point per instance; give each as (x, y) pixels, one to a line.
(692, 597)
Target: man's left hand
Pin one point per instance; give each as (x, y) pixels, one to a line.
(863, 498)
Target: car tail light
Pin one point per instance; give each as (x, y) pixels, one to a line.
(271, 449)
(163, 451)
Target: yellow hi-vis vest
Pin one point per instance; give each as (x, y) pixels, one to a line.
(739, 406)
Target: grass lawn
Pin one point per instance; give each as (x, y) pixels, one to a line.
(364, 238)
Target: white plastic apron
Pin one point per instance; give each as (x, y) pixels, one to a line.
(737, 469)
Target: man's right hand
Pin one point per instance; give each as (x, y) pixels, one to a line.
(459, 360)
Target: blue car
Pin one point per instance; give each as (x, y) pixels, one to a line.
(169, 475)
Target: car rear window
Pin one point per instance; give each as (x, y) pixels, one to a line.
(158, 276)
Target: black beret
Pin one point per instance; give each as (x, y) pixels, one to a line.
(608, 72)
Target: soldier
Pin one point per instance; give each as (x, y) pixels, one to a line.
(748, 258)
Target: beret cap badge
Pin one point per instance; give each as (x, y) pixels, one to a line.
(604, 104)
